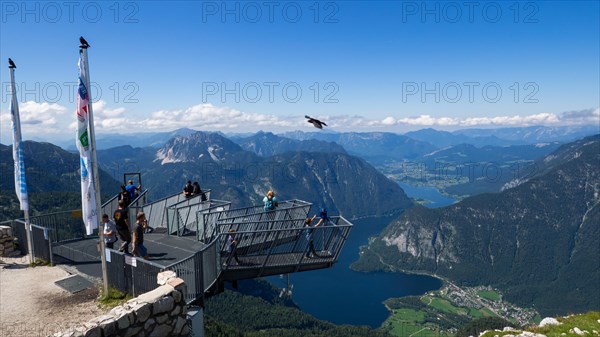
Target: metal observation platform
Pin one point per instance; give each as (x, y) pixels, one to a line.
(190, 238)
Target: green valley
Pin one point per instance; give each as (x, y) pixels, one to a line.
(441, 312)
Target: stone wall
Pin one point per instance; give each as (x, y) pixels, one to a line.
(157, 313)
(6, 241)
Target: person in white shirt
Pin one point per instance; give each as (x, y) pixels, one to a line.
(110, 231)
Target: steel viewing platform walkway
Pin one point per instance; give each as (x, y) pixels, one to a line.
(190, 238)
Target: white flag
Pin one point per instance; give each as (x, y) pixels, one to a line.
(20, 182)
(88, 193)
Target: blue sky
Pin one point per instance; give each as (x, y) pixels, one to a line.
(244, 66)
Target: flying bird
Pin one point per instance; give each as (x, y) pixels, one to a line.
(317, 123)
(84, 43)
(11, 64)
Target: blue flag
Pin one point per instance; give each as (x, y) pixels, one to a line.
(20, 182)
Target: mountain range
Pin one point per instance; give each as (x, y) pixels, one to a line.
(135, 139)
(328, 179)
(486, 169)
(267, 144)
(375, 147)
(53, 180)
(443, 139)
(537, 242)
(534, 134)
(504, 136)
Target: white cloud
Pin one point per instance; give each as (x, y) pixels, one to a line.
(210, 117)
(100, 110)
(388, 121)
(588, 115)
(39, 119)
(582, 117)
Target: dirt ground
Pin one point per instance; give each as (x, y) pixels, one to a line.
(32, 305)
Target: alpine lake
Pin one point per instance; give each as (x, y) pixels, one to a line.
(343, 296)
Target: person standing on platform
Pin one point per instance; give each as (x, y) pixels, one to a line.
(125, 196)
(188, 189)
(197, 191)
(270, 201)
(230, 247)
(121, 217)
(310, 234)
(141, 223)
(132, 189)
(110, 231)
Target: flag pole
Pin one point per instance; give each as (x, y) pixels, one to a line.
(95, 177)
(20, 182)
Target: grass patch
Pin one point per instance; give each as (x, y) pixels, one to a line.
(488, 312)
(585, 322)
(445, 306)
(406, 329)
(501, 333)
(409, 315)
(489, 295)
(39, 263)
(476, 313)
(402, 329)
(114, 298)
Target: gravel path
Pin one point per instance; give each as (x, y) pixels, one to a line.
(32, 305)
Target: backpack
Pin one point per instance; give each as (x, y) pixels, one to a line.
(270, 205)
(323, 214)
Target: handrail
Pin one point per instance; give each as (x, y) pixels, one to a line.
(210, 220)
(183, 215)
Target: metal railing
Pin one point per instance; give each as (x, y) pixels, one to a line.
(156, 211)
(200, 271)
(191, 271)
(182, 215)
(290, 209)
(42, 243)
(202, 218)
(131, 274)
(110, 206)
(264, 230)
(41, 238)
(65, 226)
(267, 242)
(257, 253)
(135, 206)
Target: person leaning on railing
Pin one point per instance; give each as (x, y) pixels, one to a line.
(270, 201)
(188, 189)
(310, 234)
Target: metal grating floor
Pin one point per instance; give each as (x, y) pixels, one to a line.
(74, 284)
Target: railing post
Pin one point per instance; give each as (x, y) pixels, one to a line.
(50, 248)
(269, 253)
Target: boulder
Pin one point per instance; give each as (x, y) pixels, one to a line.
(549, 321)
(164, 304)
